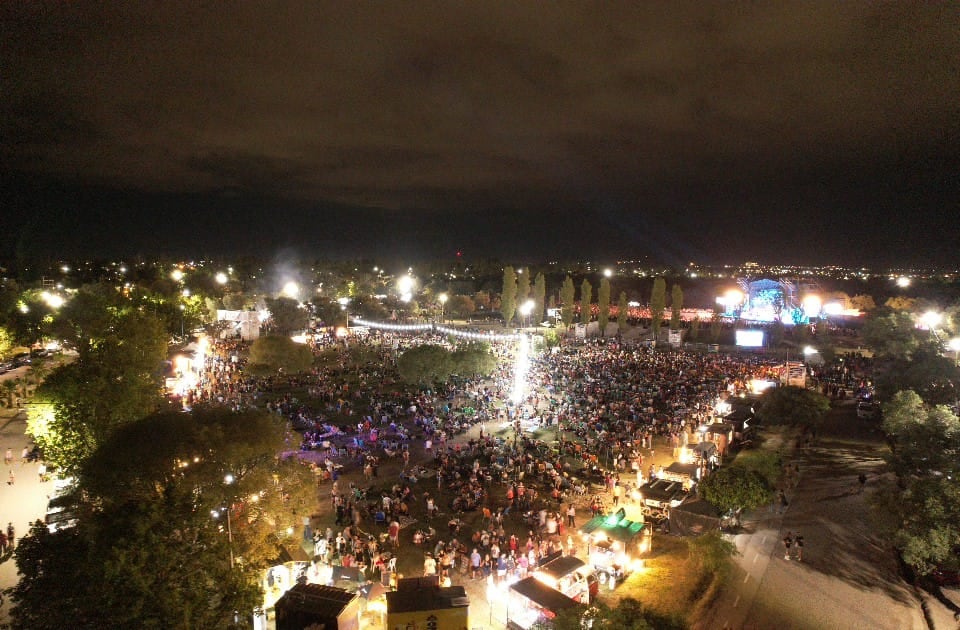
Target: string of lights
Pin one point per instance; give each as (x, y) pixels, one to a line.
(446, 330)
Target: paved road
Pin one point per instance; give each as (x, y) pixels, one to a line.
(848, 577)
(23, 502)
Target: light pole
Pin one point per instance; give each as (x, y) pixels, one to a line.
(442, 298)
(525, 309)
(228, 479)
(182, 311)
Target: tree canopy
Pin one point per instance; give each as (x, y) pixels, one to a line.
(508, 295)
(658, 301)
(603, 305)
(734, 488)
(151, 548)
(566, 302)
(586, 298)
(286, 315)
(792, 405)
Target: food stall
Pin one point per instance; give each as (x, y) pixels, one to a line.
(530, 601)
(615, 545)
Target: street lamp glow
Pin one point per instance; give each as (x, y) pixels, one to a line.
(228, 479)
(954, 344)
(405, 285)
(221, 278)
(808, 350)
(903, 282)
(52, 300)
(177, 275)
(442, 298)
(290, 290)
(832, 308)
(607, 273)
(526, 308)
(931, 319)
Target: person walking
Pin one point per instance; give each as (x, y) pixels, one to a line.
(571, 515)
(787, 543)
(8, 458)
(782, 503)
(863, 482)
(11, 536)
(11, 478)
(798, 543)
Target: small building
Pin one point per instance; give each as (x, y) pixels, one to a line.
(615, 544)
(422, 603)
(315, 605)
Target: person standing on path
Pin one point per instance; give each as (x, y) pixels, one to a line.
(8, 457)
(798, 543)
(11, 535)
(781, 502)
(787, 543)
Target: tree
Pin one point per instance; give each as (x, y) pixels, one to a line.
(900, 303)
(117, 382)
(627, 614)
(425, 365)
(286, 315)
(923, 510)
(603, 305)
(523, 285)
(566, 302)
(695, 329)
(734, 489)
(658, 301)
(891, 334)
(539, 297)
(935, 378)
(716, 325)
(863, 302)
(151, 548)
(6, 342)
(461, 305)
(586, 298)
(473, 360)
(622, 307)
(508, 296)
(676, 305)
(273, 353)
(792, 405)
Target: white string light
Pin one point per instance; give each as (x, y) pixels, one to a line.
(446, 330)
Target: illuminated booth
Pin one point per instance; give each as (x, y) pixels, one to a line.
(615, 545)
(531, 602)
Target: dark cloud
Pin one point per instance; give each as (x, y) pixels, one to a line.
(684, 115)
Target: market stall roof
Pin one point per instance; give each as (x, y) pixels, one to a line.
(542, 595)
(684, 470)
(614, 525)
(561, 566)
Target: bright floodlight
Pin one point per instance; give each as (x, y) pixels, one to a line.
(291, 289)
(442, 298)
(405, 284)
(954, 344)
(931, 319)
(520, 370)
(177, 275)
(808, 350)
(812, 305)
(833, 308)
(221, 278)
(526, 308)
(903, 282)
(406, 297)
(607, 273)
(228, 478)
(343, 301)
(186, 292)
(52, 300)
(733, 297)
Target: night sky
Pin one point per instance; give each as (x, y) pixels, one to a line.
(778, 132)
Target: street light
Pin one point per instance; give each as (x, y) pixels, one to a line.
(177, 275)
(954, 344)
(291, 290)
(442, 298)
(221, 278)
(229, 479)
(526, 308)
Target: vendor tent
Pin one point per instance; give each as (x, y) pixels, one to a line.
(694, 517)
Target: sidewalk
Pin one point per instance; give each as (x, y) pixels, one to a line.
(23, 502)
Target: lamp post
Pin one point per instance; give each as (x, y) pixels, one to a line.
(525, 309)
(182, 311)
(442, 298)
(228, 479)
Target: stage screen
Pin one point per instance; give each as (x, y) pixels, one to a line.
(750, 338)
